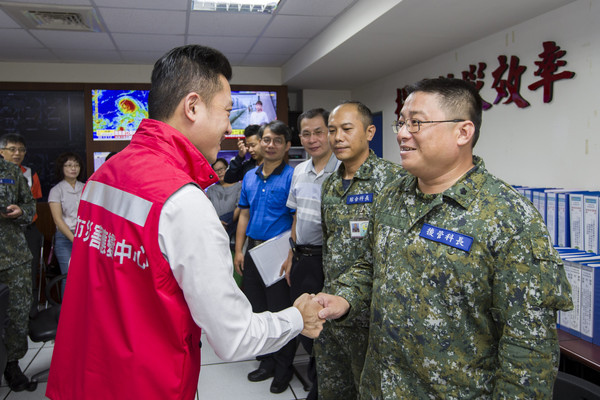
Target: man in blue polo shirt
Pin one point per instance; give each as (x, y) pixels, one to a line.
(263, 216)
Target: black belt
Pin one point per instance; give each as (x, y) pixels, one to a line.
(309, 250)
(252, 243)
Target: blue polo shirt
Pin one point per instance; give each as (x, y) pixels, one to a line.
(266, 199)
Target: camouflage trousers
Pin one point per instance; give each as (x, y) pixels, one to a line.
(18, 279)
(340, 355)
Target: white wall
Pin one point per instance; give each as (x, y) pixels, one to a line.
(547, 144)
(116, 73)
(326, 99)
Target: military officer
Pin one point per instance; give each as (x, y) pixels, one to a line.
(464, 282)
(346, 204)
(17, 208)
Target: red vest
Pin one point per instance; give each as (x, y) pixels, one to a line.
(125, 329)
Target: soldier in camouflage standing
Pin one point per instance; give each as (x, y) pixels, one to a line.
(17, 208)
(346, 201)
(465, 283)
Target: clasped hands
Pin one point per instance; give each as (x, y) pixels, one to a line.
(315, 309)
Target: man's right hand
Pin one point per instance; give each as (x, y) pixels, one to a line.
(309, 308)
(238, 262)
(242, 148)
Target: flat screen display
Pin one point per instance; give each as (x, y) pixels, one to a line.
(99, 158)
(116, 114)
(251, 108)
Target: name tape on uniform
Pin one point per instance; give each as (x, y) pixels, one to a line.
(359, 198)
(447, 237)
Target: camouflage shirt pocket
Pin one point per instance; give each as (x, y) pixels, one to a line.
(552, 289)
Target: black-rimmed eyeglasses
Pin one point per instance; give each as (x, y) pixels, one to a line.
(414, 125)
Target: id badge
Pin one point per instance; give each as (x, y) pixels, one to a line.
(358, 228)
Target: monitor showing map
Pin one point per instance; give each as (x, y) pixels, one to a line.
(116, 113)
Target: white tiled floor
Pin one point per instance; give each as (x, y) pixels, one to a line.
(218, 379)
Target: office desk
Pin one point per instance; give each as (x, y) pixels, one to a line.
(579, 350)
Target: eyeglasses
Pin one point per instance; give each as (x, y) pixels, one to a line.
(316, 133)
(217, 170)
(71, 165)
(414, 125)
(15, 149)
(276, 141)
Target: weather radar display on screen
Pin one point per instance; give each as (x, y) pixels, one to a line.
(118, 113)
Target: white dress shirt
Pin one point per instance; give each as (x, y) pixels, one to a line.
(195, 244)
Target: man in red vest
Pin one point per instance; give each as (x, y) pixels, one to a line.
(151, 263)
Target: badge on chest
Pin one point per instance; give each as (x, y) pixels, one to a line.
(358, 228)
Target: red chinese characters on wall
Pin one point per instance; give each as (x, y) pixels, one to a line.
(507, 78)
(509, 88)
(547, 70)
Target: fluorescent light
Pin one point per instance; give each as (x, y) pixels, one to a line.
(237, 6)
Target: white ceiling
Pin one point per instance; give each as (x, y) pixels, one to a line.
(324, 44)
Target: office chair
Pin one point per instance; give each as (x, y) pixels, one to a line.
(570, 387)
(49, 269)
(43, 323)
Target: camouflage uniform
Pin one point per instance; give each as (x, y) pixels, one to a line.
(340, 348)
(15, 257)
(451, 323)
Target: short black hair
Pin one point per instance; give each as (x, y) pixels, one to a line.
(259, 102)
(251, 130)
(12, 138)
(458, 98)
(365, 112)
(183, 70)
(62, 159)
(312, 113)
(278, 128)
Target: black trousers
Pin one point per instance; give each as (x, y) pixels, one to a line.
(306, 276)
(273, 298)
(34, 242)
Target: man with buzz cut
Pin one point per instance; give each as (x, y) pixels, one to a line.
(346, 202)
(464, 284)
(304, 267)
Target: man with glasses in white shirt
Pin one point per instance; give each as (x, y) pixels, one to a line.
(304, 266)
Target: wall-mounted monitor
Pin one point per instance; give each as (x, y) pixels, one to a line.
(113, 112)
(251, 107)
(117, 113)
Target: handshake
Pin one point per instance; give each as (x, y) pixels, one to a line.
(315, 309)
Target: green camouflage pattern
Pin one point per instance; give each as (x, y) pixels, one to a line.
(15, 257)
(18, 280)
(340, 251)
(14, 250)
(452, 324)
(341, 355)
(341, 347)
